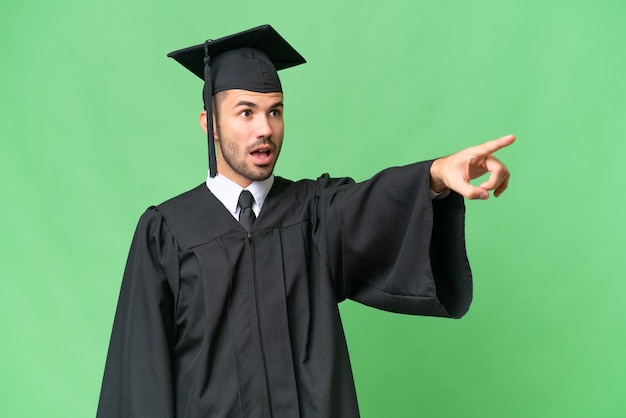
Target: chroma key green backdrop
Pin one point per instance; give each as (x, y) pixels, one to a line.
(97, 124)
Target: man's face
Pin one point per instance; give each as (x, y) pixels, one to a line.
(249, 134)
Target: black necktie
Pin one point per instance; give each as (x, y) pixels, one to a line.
(246, 215)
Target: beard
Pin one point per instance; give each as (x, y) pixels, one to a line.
(235, 157)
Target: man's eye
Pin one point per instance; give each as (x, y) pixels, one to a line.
(245, 113)
(274, 113)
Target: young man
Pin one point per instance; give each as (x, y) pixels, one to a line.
(228, 306)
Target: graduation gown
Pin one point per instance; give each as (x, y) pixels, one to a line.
(213, 321)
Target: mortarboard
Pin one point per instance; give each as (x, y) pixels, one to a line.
(247, 60)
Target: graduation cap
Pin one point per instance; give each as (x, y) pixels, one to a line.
(247, 60)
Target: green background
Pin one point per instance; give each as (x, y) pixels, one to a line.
(97, 124)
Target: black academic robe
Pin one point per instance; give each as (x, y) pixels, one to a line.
(213, 321)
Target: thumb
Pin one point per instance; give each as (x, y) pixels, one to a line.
(471, 192)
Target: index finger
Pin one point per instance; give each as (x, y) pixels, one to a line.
(490, 147)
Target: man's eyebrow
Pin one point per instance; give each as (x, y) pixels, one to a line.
(253, 105)
(246, 103)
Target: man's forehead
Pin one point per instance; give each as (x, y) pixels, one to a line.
(236, 95)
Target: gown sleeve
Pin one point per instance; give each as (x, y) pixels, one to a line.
(390, 246)
(138, 375)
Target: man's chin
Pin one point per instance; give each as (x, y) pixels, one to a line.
(261, 173)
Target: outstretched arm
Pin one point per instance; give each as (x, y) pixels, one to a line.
(455, 171)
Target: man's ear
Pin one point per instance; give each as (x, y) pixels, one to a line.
(202, 120)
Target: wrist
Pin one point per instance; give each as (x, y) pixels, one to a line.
(437, 184)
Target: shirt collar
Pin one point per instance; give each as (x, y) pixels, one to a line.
(227, 192)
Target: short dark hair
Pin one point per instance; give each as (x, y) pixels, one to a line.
(218, 98)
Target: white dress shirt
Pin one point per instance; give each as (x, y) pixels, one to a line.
(227, 192)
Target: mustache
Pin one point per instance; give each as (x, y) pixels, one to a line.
(263, 141)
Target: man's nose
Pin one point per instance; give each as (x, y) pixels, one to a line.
(264, 129)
